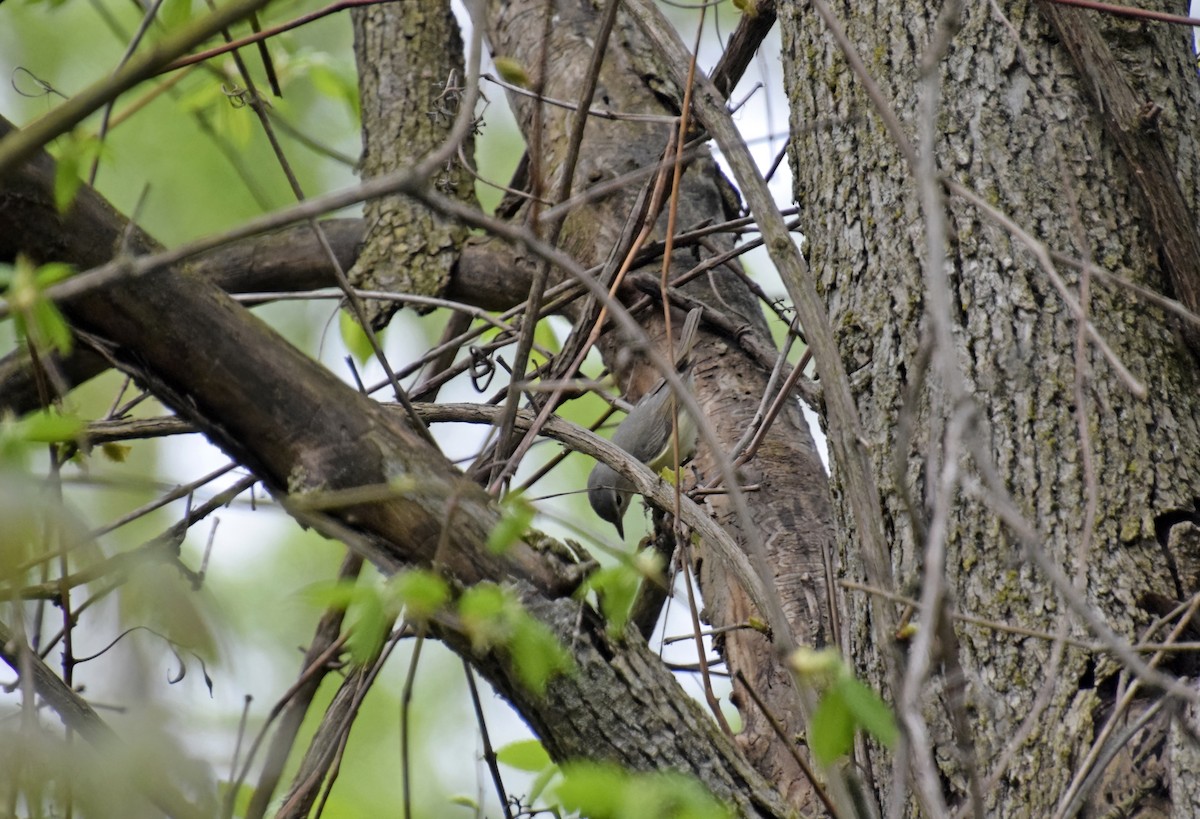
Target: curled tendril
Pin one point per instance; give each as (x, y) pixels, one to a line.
(172, 678)
(483, 369)
(44, 89)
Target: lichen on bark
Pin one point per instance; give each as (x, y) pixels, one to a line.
(410, 79)
(1016, 125)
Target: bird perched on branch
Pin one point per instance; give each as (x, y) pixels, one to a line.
(646, 434)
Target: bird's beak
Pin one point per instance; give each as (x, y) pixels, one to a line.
(620, 528)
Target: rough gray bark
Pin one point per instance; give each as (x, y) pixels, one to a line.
(410, 80)
(1016, 125)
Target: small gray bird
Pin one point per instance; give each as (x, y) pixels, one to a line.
(646, 435)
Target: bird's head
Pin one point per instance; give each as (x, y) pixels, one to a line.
(609, 494)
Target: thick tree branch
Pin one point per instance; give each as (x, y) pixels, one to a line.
(310, 437)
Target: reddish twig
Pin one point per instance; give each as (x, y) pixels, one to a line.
(1129, 11)
(267, 33)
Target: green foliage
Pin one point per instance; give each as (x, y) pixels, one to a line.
(492, 617)
(483, 610)
(524, 755)
(37, 319)
(512, 71)
(196, 158)
(44, 427)
(869, 710)
(607, 791)
(616, 590)
(75, 153)
(831, 733)
(846, 705)
(354, 337)
(516, 515)
(616, 587)
(529, 755)
(367, 619)
(419, 592)
(537, 653)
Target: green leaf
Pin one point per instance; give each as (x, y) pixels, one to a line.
(53, 273)
(48, 426)
(36, 318)
(616, 589)
(48, 327)
(368, 625)
(671, 794)
(542, 780)
(511, 71)
(354, 337)
(67, 180)
(524, 755)
(482, 611)
(831, 732)
(117, 453)
(492, 617)
(516, 514)
(868, 710)
(421, 593)
(606, 791)
(537, 653)
(593, 789)
(367, 621)
(338, 594)
(73, 154)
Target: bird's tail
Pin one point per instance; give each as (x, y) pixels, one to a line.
(687, 339)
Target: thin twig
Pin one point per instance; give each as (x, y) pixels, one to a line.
(790, 744)
(489, 755)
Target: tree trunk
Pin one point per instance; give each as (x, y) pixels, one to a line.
(1107, 477)
(790, 504)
